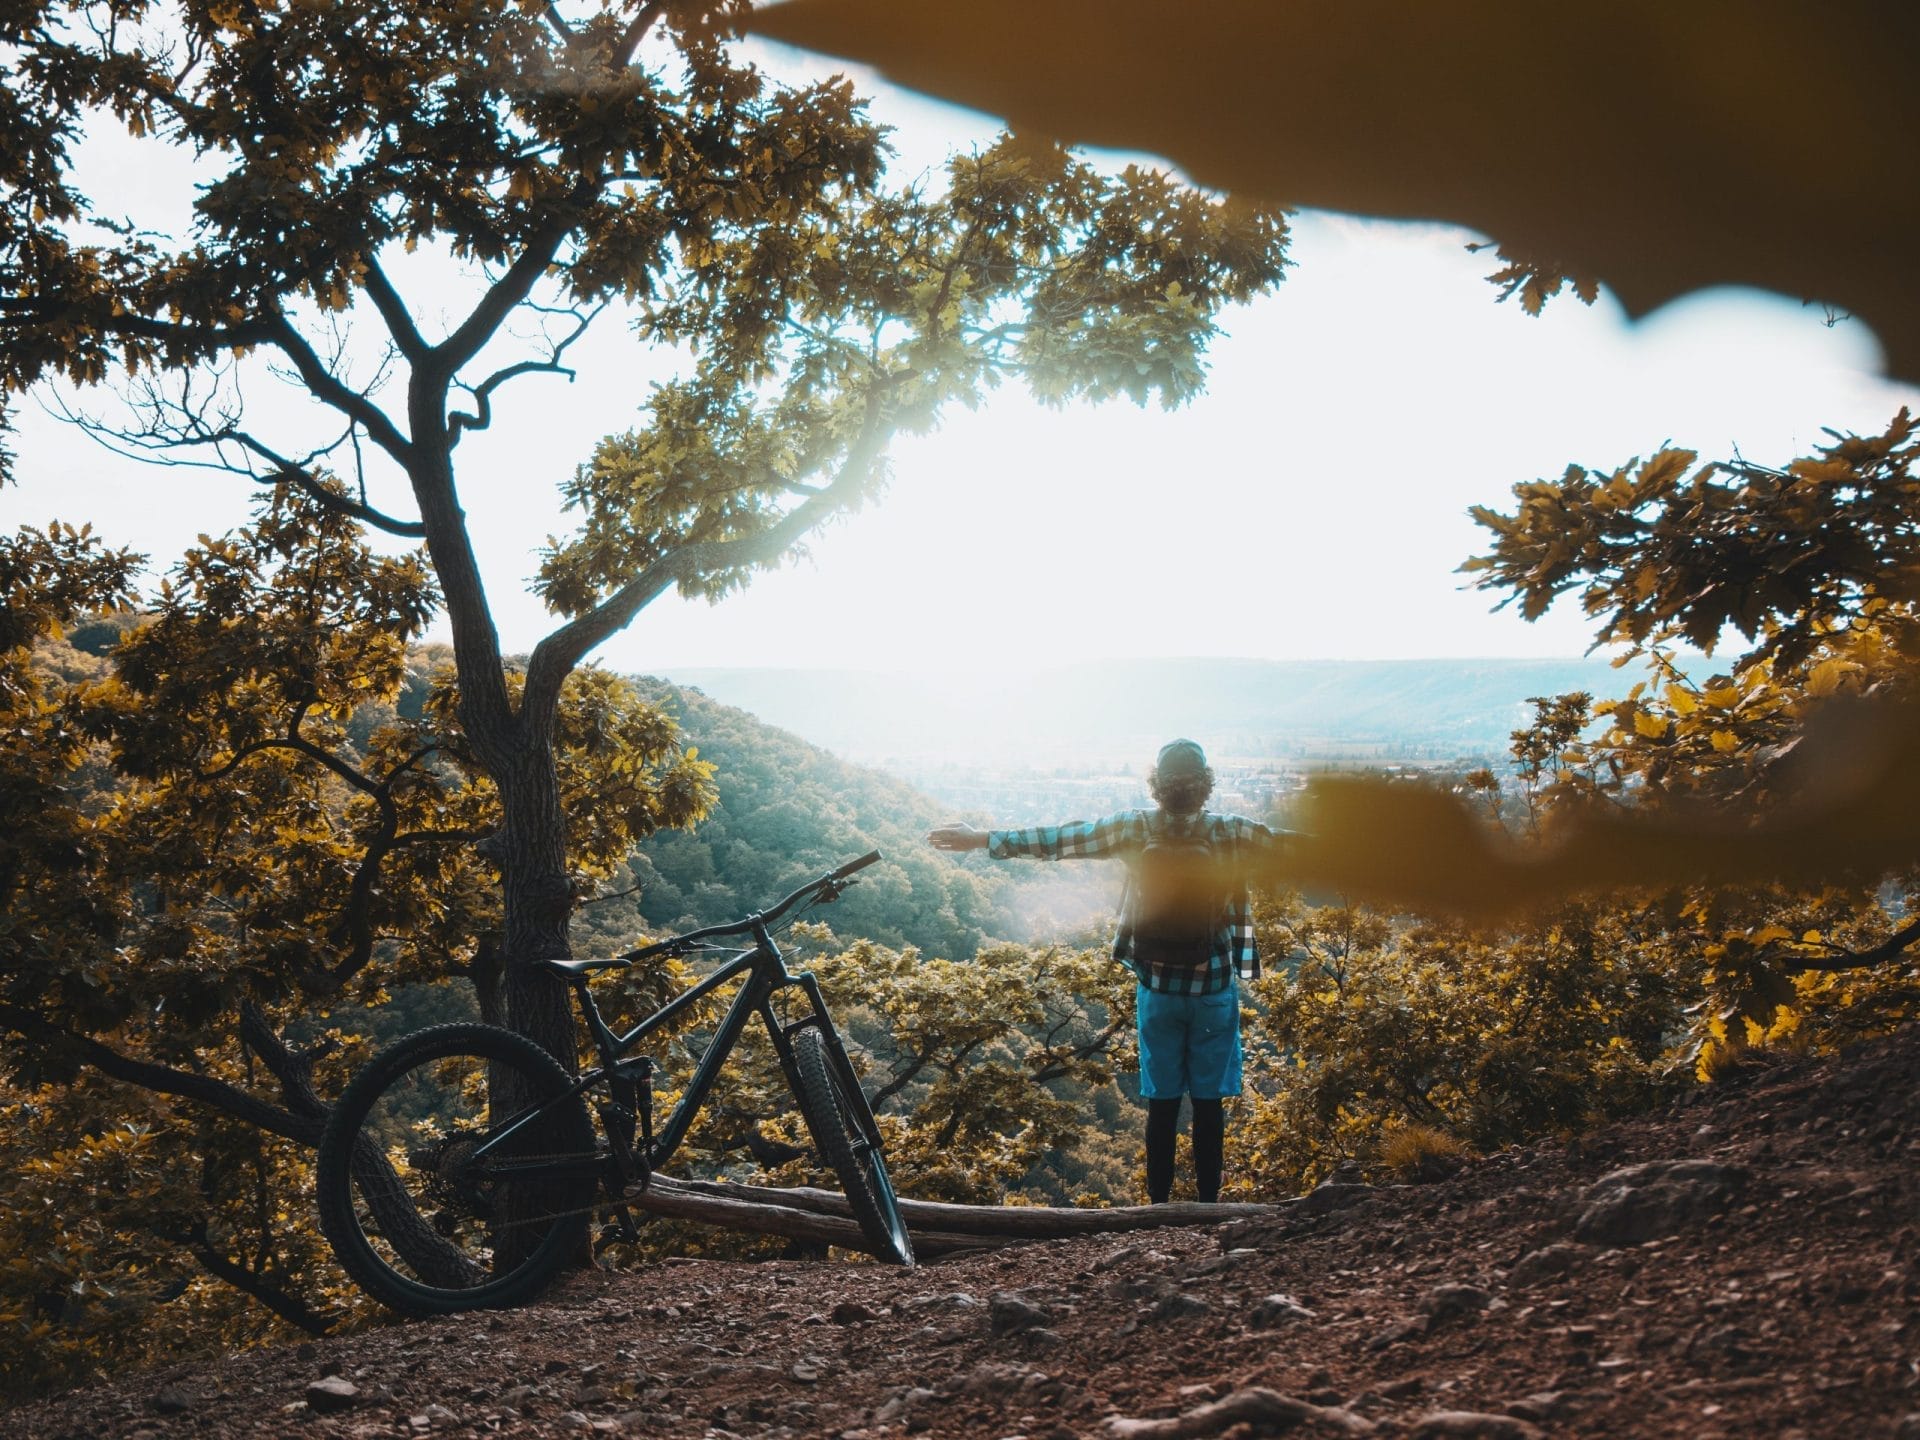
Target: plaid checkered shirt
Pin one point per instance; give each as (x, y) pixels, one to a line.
(1239, 841)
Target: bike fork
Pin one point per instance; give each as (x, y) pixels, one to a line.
(837, 1057)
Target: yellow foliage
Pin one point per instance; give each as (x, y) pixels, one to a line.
(1410, 1152)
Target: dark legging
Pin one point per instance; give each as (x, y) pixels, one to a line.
(1209, 1140)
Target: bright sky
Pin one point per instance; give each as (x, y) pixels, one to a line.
(1312, 505)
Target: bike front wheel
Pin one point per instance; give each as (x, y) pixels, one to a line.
(456, 1172)
(854, 1156)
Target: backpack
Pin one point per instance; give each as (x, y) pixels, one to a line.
(1177, 897)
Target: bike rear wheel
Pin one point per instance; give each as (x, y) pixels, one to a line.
(831, 1114)
(456, 1173)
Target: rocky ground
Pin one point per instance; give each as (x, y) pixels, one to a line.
(1745, 1264)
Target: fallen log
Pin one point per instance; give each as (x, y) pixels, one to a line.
(937, 1228)
(664, 1196)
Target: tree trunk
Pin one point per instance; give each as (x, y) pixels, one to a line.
(532, 852)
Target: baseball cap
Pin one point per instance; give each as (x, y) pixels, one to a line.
(1179, 757)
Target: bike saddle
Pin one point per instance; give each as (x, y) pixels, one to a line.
(573, 969)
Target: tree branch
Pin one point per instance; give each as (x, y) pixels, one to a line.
(1061, 1066)
(406, 335)
(196, 339)
(555, 656)
(164, 1079)
(636, 31)
(359, 510)
(899, 1081)
(255, 1286)
(483, 416)
(502, 296)
(292, 1068)
(1894, 946)
(300, 745)
(327, 386)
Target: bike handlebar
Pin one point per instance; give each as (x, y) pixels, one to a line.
(852, 865)
(766, 917)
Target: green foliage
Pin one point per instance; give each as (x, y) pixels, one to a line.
(1535, 280)
(1413, 1153)
(1492, 1040)
(1783, 556)
(198, 836)
(993, 1078)
(1029, 264)
(120, 1220)
(994, 1060)
(1817, 566)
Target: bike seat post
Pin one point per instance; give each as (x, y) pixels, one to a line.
(604, 1039)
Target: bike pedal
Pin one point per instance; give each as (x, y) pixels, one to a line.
(623, 1221)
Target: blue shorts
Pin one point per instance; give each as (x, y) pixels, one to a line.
(1189, 1044)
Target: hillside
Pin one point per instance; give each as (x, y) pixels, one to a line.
(1746, 1264)
(789, 810)
(1121, 710)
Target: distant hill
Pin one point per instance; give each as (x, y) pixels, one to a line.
(1119, 710)
(789, 810)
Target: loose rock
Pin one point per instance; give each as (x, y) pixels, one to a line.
(1275, 1310)
(1009, 1313)
(331, 1395)
(1547, 1263)
(1450, 1302)
(1659, 1198)
(1181, 1307)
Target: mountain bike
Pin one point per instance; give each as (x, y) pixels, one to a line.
(460, 1168)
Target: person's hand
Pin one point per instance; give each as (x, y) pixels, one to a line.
(957, 837)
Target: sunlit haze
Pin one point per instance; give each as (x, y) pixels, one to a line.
(1313, 504)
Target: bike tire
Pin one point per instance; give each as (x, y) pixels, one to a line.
(829, 1113)
(418, 1222)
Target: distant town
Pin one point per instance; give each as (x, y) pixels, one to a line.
(1256, 786)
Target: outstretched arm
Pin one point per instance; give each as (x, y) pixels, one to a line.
(1076, 840)
(957, 837)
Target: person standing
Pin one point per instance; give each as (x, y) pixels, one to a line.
(1186, 931)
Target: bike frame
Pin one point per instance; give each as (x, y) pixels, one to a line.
(767, 974)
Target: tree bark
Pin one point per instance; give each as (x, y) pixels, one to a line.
(532, 852)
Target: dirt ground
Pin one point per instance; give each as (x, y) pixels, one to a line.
(1745, 1264)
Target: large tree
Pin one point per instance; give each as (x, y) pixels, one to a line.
(561, 159)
